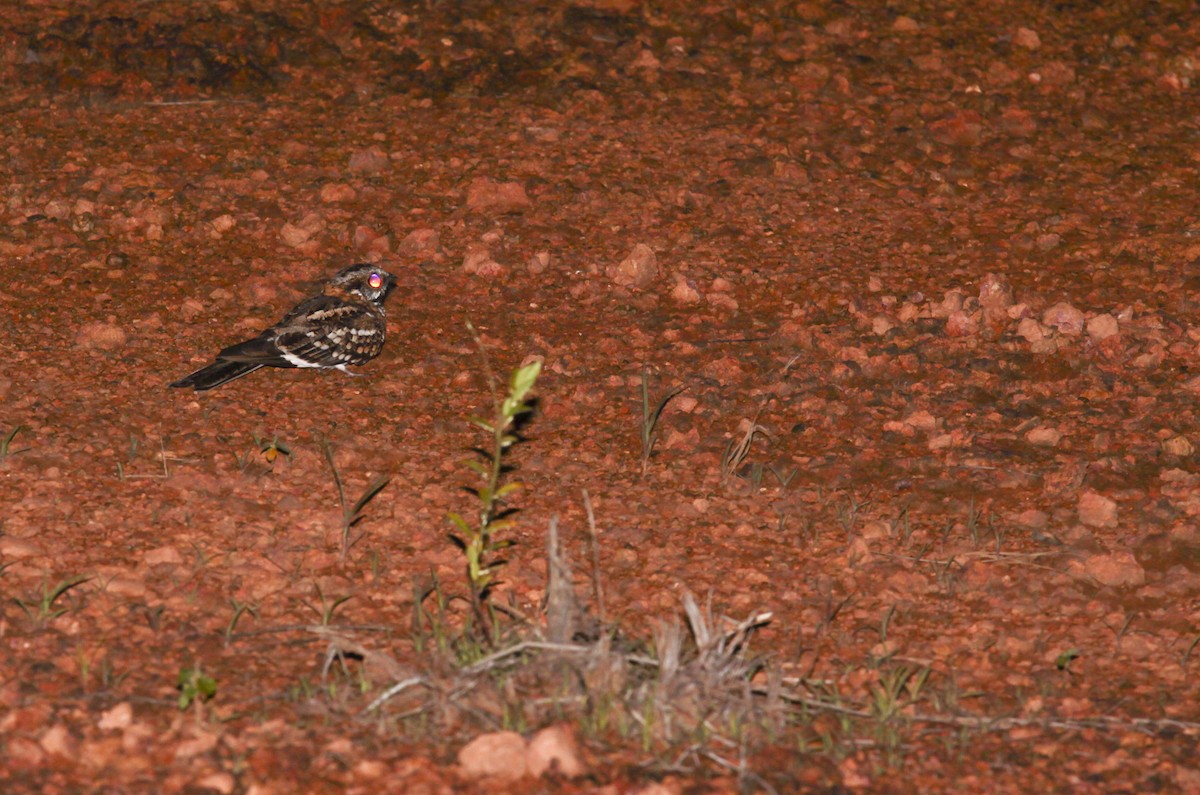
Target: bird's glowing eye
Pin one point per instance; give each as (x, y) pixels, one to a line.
(375, 280)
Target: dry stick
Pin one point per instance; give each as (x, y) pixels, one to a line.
(597, 586)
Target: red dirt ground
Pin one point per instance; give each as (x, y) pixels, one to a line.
(945, 254)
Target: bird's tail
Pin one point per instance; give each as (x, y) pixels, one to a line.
(215, 374)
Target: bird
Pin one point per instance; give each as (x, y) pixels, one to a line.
(344, 325)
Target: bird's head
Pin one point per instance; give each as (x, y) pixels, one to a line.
(369, 282)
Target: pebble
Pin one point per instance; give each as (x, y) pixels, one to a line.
(1044, 437)
(554, 749)
(371, 160)
(1178, 445)
(496, 755)
(101, 336)
(1116, 569)
(685, 291)
(119, 717)
(1027, 38)
(1068, 320)
(502, 197)
(1101, 327)
(293, 235)
(639, 269)
(420, 243)
(334, 192)
(1096, 510)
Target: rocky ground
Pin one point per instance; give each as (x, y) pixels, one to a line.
(923, 273)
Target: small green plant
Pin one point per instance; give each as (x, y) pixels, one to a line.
(6, 443)
(1063, 661)
(42, 609)
(650, 416)
(239, 609)
(195, 687)
(328, 606)
(478, 539)
(351, 514)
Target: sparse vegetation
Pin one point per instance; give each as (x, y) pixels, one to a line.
(7, 441)
(478, 539)
(44, 607)
(651, 413)
(351, 514)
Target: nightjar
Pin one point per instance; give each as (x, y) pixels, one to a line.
(344, 325)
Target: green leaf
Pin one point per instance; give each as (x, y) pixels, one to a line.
(369, 493)
(1063, 660)
(523, 378)
(459, 522)
(482, 423)
(508, 488)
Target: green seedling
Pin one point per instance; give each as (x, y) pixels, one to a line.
(194, 688)
(42, 609)
(6, 443)
(328, 606)
(239, 609)
(1063, 661)
(650, 416)
(351, 514)
(478, 540)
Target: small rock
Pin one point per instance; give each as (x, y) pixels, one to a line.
(963, 128)
(499, 755)
(1017, 122)
(951, 302)
(58, 742)
(1047, 242)
(293, 235)
(1067, 319)
(538, 262)
(1096, 510)
(100, 336)
(1178, 445)
(503, 197)
(369, 241)
(223, 223)
(880, 325)
(961, 324)
(995, 292)
(639, 269)
(1101, 327)
(220, 782)
(119, 717)
(1118, 569)
(1033, 519)
(903, 24)
(646, 60)
(372, 160)
(478, 262)
(685, 291)
(1044, 437)
(337, 192)
(554, 749)
(1027, 38)
(420, 243)
(921, 421)
(167, 555)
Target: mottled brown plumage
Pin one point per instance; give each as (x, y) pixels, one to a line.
(344, 325)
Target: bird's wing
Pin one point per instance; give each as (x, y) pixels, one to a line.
(330, 333)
